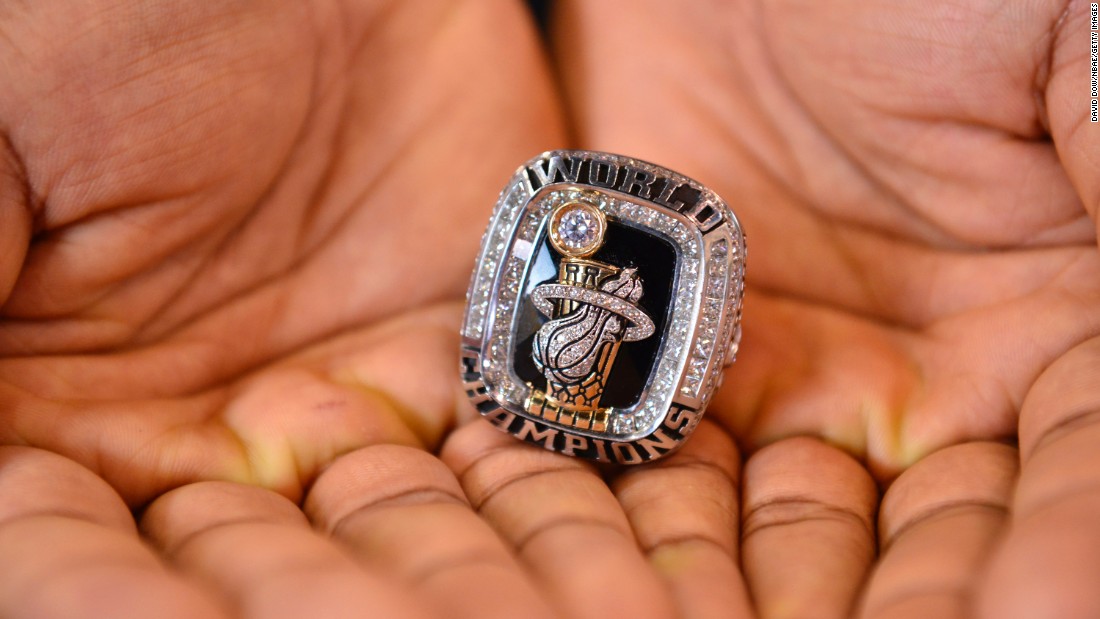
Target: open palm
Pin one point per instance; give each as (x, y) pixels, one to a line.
(246, 231)
(917, 183)
(212, 190)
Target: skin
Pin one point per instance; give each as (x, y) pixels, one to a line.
(227, 352)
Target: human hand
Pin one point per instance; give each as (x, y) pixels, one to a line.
(919, 187)
(251, 226)
(235, 237)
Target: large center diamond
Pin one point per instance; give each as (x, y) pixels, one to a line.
(578, 228)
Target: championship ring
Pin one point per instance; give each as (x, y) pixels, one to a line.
(605, 303)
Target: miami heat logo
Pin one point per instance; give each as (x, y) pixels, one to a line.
(593, 309)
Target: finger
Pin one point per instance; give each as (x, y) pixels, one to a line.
(684, 512)
(70, 548)
(806, 533)
(938, 523)
(562, 521)
(277, 428)
(402, 510)
(1048, 563)
(257, 549)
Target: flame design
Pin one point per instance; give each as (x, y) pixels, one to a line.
(567, 350)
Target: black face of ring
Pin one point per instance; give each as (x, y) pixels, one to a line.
(655, 260)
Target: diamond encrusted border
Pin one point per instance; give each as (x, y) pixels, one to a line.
(701, 333)
(499, 378)
(493, 244)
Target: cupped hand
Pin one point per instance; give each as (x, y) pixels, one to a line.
(235, 240)
(919, 186)
(236, 234)
(911, 180)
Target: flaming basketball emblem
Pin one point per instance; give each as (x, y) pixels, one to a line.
(593, 309)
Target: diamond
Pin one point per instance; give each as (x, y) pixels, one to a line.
(578, 228)
(697, 319)
(699, 365)
(623, 424)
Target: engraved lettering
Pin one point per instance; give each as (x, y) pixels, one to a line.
(705, 215)
(601, 450)
(666, 192)
(500, 418)
(478, 395)
(574, 443)
(637, 182)
(625, 453)
(678, 417)
(530, 432)
(683, 198)
(656, 448)
(558, 169)
(602, 174)
(470, 360)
